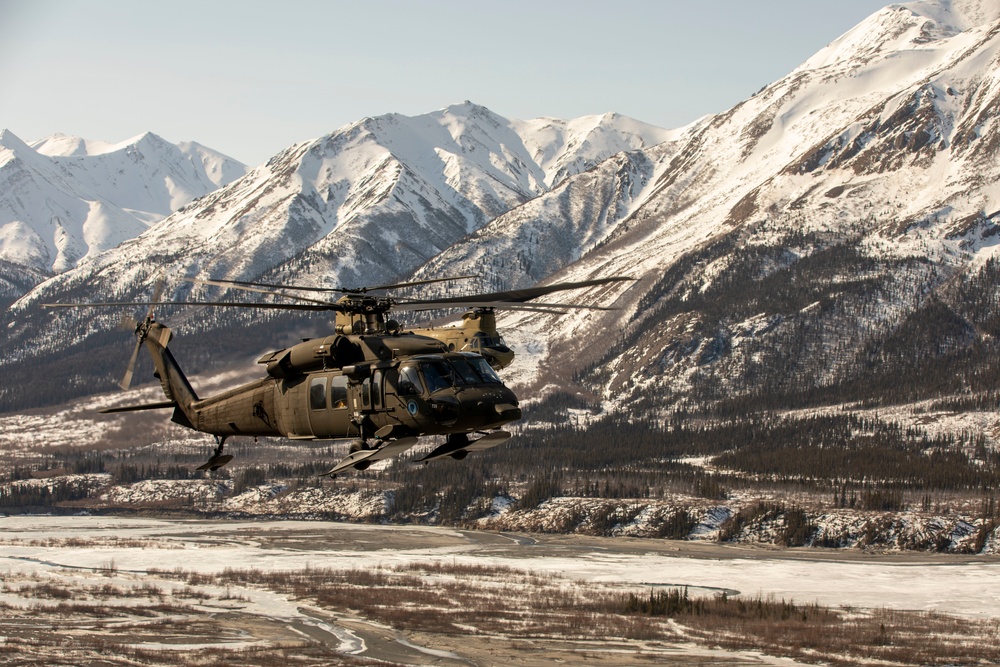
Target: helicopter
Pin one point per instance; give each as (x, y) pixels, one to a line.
(478, 333)
(370, 382)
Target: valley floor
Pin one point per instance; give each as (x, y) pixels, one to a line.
(145, 591)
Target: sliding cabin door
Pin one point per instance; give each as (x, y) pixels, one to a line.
(329, 414)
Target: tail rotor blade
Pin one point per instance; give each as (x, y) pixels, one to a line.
(127, 379)
(128, 323)
(142, 330)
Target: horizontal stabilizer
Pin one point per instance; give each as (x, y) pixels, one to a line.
(145, 406)
(363, 458)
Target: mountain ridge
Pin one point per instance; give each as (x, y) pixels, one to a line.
(853, 149)
(361, 174)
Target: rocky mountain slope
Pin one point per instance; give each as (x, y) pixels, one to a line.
(834, 231)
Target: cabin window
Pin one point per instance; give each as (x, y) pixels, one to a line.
(338, 392)
(409, 381)
(483, 340)
(377, 389)
(366, 393)
(317, 393)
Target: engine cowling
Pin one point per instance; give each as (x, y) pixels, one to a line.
(311, 355)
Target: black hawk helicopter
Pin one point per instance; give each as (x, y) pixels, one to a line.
(370, 382)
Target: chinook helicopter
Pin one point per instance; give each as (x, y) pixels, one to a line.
(370, 382)
(478, 333)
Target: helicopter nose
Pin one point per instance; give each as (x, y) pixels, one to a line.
(486, 408)
(447, 409)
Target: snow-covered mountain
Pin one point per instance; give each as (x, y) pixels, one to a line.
(904, 95)
(826, 235)
(369, 203)
(869, 177)
(375, 199)
(64, 199)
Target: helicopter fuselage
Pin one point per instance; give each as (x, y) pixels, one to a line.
(369, 382)
(382, 386)
(332, 404)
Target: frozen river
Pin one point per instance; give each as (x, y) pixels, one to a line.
(51, 546)
(943, 583)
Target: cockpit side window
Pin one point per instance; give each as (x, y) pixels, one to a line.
(409, 381)
(317, 393)
(338, 392)
(482, 339)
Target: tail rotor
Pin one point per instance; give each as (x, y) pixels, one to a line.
(141, 331)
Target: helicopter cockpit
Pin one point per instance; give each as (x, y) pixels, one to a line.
(482, 339)
(427, 374)
(493, 347)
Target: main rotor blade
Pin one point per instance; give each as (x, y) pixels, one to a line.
(214, 304)
(503, 299)
(344, 290)
(231, 284)
(157, 293)
(412, 283)
(507, 305)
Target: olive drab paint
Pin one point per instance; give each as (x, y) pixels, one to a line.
(370, 382)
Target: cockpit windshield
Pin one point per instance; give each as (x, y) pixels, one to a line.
(481, 340)
(437, 375)
(450, 371)
(483, 368)
(466, 373)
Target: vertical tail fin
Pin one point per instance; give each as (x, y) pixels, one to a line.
(175, 384)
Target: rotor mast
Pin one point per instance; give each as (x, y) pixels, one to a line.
(360, 314)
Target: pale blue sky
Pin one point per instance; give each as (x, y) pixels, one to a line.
(249, 78)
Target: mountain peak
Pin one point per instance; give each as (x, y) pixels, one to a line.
(467, 108)
(75, 198)
(64, 145)
(145, 140)
(467, 111)
(11, 141)
(904, 28)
